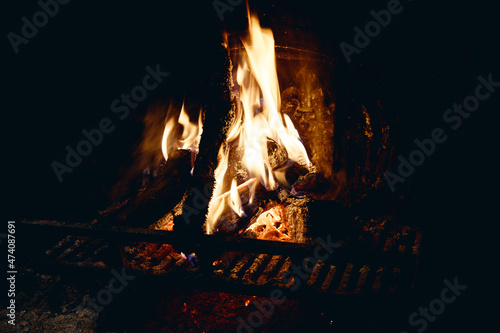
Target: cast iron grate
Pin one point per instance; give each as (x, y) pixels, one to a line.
(379, 260)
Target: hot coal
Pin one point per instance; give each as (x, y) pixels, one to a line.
(270, 225)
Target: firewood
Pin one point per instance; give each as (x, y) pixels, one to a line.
(292, 171)
(218, 110)
(277, 154)
(153, 202)
(313, 184)
(230, 223)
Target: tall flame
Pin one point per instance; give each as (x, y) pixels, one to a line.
(258, 119)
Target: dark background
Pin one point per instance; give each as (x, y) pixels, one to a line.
(65, 78)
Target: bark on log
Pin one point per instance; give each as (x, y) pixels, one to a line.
(218, 111)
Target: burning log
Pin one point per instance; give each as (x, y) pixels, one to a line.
(230, 222)
(158, 198)
(277, 155)
(219, 109)
(237, 217)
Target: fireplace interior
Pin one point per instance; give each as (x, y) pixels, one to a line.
(247, 193)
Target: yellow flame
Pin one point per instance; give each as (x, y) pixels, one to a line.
(169, 128)
(190, 137)
(235, 202)
(258, 119)
(216, 205)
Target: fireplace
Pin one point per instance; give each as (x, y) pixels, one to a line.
(254, 191)
(245, 195)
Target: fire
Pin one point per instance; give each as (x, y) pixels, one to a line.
(190, 136)
(258, 120)
(235, 202)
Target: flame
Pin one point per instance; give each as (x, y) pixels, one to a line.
(218, 202)
(169, 128)
(258, 120)
(235, 201)
(190, 137)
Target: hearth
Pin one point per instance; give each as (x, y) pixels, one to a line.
(249, 189)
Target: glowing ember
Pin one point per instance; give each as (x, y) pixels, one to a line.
(270, 225)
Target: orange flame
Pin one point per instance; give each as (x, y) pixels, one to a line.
(258, 119)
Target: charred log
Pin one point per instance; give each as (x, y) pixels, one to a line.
(277, 154)
(292, 171)
(313, 184)
(231, 224)
(153, 202)
(218, 111)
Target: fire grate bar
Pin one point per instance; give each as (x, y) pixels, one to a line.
(339, 276)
